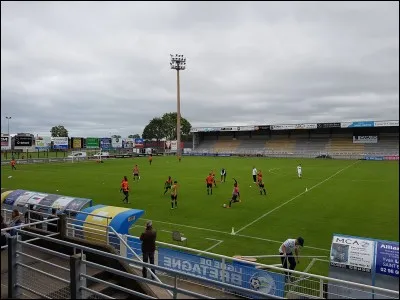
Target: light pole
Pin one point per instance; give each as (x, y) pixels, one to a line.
(178, 63)
(8, 125)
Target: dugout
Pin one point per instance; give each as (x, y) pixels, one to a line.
(93, 227)
(43, 202)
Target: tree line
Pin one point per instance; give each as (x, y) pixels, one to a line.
(158, 128)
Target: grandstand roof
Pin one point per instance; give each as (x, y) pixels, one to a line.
(288, 126)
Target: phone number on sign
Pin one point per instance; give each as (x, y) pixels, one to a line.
(389, 271)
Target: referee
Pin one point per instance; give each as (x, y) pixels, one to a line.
(286, 253)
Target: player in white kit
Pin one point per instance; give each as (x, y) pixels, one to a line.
(299, 170)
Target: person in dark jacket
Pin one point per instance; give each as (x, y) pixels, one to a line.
(148, 238)
(4, 234)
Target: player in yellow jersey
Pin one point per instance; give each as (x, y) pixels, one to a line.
(174, 195)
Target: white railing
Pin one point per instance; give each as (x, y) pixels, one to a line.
(300, 284)
(231, 270)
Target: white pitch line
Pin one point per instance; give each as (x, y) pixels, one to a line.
(303, 277)
(295, 197)
(228, 233)
(213, 246)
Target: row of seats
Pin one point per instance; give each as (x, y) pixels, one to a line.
(387, 146)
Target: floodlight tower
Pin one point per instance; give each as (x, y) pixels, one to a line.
(178, 63)
(8, 125)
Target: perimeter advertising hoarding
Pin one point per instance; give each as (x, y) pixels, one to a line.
(238, 274)
(139, 143)
(365, 261)
(283, 127)
(23, 141)
(116, 142)
(128, 143)
(365, 139)
(5, 143)
(357, 124)
(76, 143)
(105, 143)
(43, 142)
(92, 143)
(386, 123)
(60, 142)
(306, 126)
(328, 125)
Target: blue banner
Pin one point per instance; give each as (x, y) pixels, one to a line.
(374, 158)
(139, 143)
(238, 274)
(357, 124)
(387, 258)
(105, 143)
(136, 246)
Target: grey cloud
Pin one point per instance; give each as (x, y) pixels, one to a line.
(101, 67)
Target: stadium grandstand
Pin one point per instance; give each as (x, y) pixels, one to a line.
(372, 140)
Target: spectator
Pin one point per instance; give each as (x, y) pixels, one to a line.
(4, 234)
(15, 221)
(148, 239)
(286, 253)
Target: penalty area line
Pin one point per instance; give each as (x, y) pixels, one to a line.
(229, 233)
(295, 197)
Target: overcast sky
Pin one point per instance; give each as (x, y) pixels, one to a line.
(103, 67)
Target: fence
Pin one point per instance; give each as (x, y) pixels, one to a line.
(174, 265)
(249, 275)
(28, 272)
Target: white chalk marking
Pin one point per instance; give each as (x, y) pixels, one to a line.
(295, 197)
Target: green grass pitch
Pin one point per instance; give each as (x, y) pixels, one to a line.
(359, 198)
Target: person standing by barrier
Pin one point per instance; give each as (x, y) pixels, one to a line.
(148, 238)
(286, 253)
(15, 221)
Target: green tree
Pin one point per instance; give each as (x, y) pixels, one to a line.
(154, 130)
(59, 131)
(134, 136)
(169, 120)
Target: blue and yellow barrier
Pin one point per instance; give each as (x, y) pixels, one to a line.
(93, 227)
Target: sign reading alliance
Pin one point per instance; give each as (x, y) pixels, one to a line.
(387, 258)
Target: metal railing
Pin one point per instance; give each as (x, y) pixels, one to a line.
(74, 286)
(301, 284)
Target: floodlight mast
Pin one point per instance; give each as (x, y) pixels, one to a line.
(8, 125)
(178, 63)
